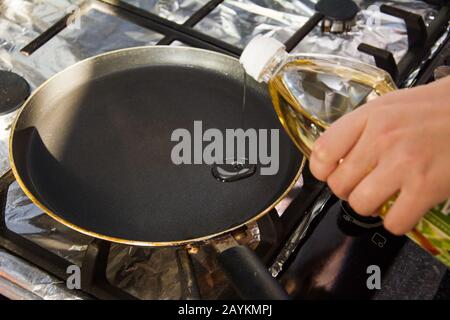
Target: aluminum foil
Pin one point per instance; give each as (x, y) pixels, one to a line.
(20, 280)
(148, 273)
(238, 21)
(178, 11)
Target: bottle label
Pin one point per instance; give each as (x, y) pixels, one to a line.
(433, 232)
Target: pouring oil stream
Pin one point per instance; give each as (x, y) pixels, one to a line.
(239, 168)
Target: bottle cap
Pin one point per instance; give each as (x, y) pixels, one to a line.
(258, 54)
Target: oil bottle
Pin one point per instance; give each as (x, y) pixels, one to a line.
(311, 91)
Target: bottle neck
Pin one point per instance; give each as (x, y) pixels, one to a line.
(274, 66)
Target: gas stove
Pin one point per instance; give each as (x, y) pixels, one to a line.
(314, 245)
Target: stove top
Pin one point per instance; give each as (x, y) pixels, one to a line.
(315, 247)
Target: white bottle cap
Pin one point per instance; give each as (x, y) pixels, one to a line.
(258, 54)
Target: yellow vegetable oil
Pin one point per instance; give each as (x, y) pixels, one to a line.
(308, 97)
(310, 92)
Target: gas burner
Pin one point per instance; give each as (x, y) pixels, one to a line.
(339, 15)
(14, 90)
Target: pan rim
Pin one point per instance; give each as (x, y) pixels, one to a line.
(93, 234)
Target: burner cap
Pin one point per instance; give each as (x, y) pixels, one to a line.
(341, 10)
(14, 90)
(339, 15)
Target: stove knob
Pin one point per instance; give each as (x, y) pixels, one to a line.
(365, 222)
(354, 224)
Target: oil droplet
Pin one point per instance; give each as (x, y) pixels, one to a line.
(236, 170)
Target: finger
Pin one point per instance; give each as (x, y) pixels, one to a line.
(356, 165)
(340, 137)
(374, 190)
(338, 140)
(405, 213)
(343, 134)
(321, 170)
(335, 143)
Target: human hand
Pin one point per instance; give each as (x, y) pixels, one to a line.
(399, 142)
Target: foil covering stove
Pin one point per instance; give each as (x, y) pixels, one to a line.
(234, 21)
(21, 281)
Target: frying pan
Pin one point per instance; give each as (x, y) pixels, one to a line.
(91, 147)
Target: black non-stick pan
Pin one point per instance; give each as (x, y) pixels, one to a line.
(92, 147)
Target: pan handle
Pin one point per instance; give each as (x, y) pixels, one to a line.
(249, 277)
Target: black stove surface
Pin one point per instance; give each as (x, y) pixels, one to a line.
(338, 257)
